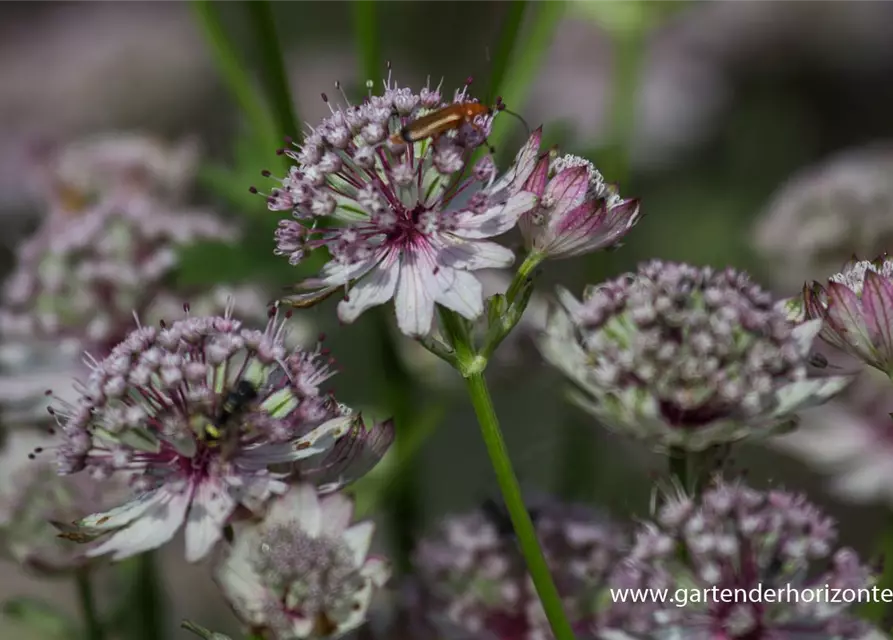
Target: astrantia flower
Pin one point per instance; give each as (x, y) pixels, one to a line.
(474, 579)
(73, 176)
(203, 416)
(685, 356)
(851, 440)
(827, 213)
(386, 211)
(577, 212)
(734, 537)
(304, 571)
(32, 494)
(82, 276)
(857, 309)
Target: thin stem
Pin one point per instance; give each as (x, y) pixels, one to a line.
(514, 502)
(679, 466)
(275, 79)
(526, 63)
(149, 600)
(365, 20)
(508, 37)
(878, 611)
(531, 262)
(233, 72)
(92, 625)
(628, 57)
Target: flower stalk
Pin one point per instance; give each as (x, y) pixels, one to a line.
(151, 606)
(514, 502)
(93, 629)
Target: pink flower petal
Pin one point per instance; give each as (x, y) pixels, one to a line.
(845, 317)
(494, 221)
(877, 302)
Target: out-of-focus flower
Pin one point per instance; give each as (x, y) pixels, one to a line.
(851, 439)
(512, 352)
(73, 176)
(197, 414)
(856, 307)
(826, 214)
(304, 571)
(474, 580)
(734, 537)
(81, 277)
(577, 211)
(32, 494)
(382, 208)
(685, 356)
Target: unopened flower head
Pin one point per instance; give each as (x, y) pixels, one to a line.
(827, 213)
(385, 209)
(82, 276)
(474, 579)
(685, 356)
(32, 494)
(851, 440)
(855, 308)
(203, 415)
(305, 570)
(734, 537)
(577, 211)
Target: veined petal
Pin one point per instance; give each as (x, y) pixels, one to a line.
(335, 273)
(317, 441)
(376, 288)
(461, 254)
(414, 302)
(845, 317)
(116, 518)
(156, 526)
(459, 291)
(496, 220)
(211, 507)
(240, 582)
(523, 165)
(877, 303)
(566, 191)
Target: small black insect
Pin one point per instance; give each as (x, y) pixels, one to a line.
(235, 402)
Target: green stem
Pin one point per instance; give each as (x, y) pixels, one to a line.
(92, 624)
(628, 56)
(877, 611)
(526, 64)
(275, 79)
(234, 73)
(365, 19)
(149, 601)
(531, 262)
(514, 502)
(508, 37)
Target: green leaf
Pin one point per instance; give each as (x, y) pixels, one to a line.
(39, 616)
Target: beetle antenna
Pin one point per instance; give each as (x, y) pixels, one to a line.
(500, 106)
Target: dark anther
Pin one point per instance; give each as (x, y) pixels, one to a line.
(265, 173)
(252, 190)
(325, 98)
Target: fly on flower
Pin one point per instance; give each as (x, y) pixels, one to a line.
(388, 214)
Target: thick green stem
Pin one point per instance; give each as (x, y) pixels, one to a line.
(531, 262)
(878, 611)
(93, 629)
(233, 72)
(275, 79)
(514, 502)
(149, 603)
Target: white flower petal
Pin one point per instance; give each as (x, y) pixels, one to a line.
(336, 274)
(414, 303)
(359, 539)
(210, 509)
(337, 510)
(156, 526)
(239, 581)
(378, 570)
(459, 291)
(120, 516)
(376, 288)
(301, 505)
(496, 220)
(459, 254)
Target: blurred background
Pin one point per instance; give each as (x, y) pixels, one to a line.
(705, 110)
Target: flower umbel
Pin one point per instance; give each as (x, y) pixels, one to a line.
(305, 570)
(577, 211)
(203, 416)
(473, 578)
(856, 307)
(387, 211)
(734, 537)
(685, 356)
